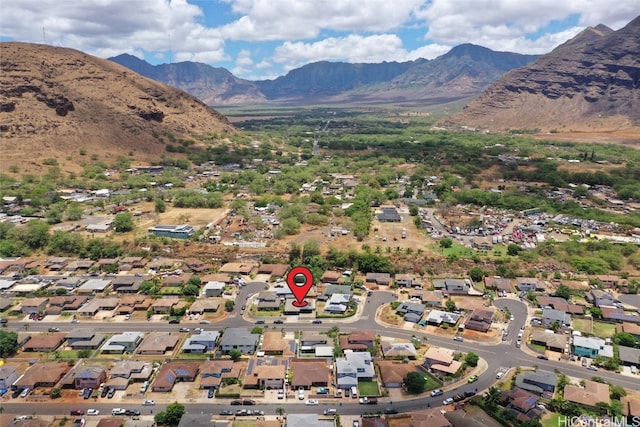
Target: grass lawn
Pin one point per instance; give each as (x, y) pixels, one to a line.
(551, 420)
(604, 330)
(430, 382)
(245, 423)
(582, 325)
(368, 388)
(538, 347)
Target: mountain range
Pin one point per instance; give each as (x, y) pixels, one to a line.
(463, 72)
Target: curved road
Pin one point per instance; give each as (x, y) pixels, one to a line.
(497, 356)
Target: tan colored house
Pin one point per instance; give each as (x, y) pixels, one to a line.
(432, 417)
(274, 344)
(33, 305)
(589, 395)
(212, 372)
(394, 373)
(266, 376)
(441, 359)
(238, 268)
(158, 343)
(42, 374)
(163, 305)
(45, 343)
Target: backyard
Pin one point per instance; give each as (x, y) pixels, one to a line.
(599, 329)
(368, 388)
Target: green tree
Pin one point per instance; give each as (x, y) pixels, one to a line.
(171, 416)
(596, 312)
(56, 393)
(414, 381)
(563, 291)
(492, 397)
(235, 354)
(191, 290)
(229, 305)
(74, 211)
(160, 206)
(450, 305)
(472, 359)
(445, 243)
(626, 339)
(123, 222)
(513, 249)
(8, 343)
(477, 274)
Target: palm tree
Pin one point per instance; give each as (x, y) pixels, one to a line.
(280, 411)
(492, 397)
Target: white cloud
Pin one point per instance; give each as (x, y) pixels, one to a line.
(295, 19)
(111, 27)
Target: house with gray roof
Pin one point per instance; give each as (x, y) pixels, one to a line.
(126, 342)
(411, 311)
(629, 356)
(203, 342)
(82, 338)
(550, 315)
(438, 317)
(452, 286)
(213, 289)
(92, 286)
(354, 367)
(239, 339)
(590, 347)
(540, 381)
(337, 303)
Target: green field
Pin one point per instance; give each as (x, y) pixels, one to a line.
(600, 329)
(368, 388)
(430, 382)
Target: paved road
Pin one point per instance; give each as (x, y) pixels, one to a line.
(498, 356)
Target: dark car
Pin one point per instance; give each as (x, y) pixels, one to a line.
(211, 393)
(458, 398)
(390, 411)
(235, 403)
(278, 322)
(174, 321)
(226, 412)
(469, 393)
(77, 412)
(16, 393)
(3, 320)
(87, 393)
(248, 402)
(317, 322)
(543, 357)
(259, 322)
(132, 412)
(105, 391)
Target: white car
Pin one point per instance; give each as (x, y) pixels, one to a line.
(149, 403)
(448, 401)
(436, 392)
(311, 402)
(93, 412)
(499, 375)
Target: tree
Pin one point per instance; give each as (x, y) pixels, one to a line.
(477, 274)
(190, 290)
(513, 249)
(492, 397)
(171, 416)
(414, 382)
(123, 222)
(280, 411)
(229, 305)
(160, 206)
(56, 393)
(8, 343)
(626, 339)
(563, 291)
(472, 359)
(450, 305)
(235, 354)
(445, 243)
(596, 312)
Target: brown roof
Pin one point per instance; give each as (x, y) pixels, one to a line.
(309, 371)
(591, 394)
(274, 269)
(630, 405)
(43, 373)
(172, 371)
(439, 354)
(394, 372)
(274, 343)
(631, 328)
(46, 342)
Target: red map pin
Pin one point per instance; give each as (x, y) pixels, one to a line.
(300, 281)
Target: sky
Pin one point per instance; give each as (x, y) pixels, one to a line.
(264, 39)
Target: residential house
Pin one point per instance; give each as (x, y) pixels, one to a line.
(310, 341)
(64, 303)
(601, 298)
(274, 270)
(173, 231)
(308, 420)
(629, 356)
(201, 306)
(212, 372)
(8, 375)
(480, 320)
(266, 374)
(528, 284)
(203, 342)
(412, 311)
(290, 309)
(274, 344)
(399, 350)
(589, 395)
(84, 339)
(616, 314)
(330, 290)
(499, 284)
(379, 279)
(631, 408)
(438, 317)
(540, 382)
(630, 328)
(56, 263)
(126, 284)
(354, 367)
(389, 214)
(441, 359)
(126, 342)
(239, 339)
(45, 343)
(337, 303)
(172, 372)
(393, 373)
(164, 305)
(308, 373)
(551, 316)
(42, 374)
(213, 289)
(88, 377)
(405, 280)
(432, 417)
(358, 340)
(95, 305)
(126, 371)
(561, 304)
(158, 343)
(609, 281)
(93, 286)
(452, 286)
(33, 305)
(268, 301)
(550, 341)
(330, 276)
(587, 346)
(69, 284)
(237, 268)
(521, 404)
(432, 298)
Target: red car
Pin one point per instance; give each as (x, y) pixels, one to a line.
(77, 412)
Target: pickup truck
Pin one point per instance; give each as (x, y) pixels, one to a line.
(368, 401)
(322, 390)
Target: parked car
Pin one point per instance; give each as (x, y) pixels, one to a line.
(469, 393)
(312, 402)
(448, 401)
(93, 412)
(248, 402)
(149, 403)
(54, 329)
(211, 393)
(499, 375)
(472, 379)
(226, 412)
(77, 412)
(390, 411)
(174, 321)
(278, 322)
(436, 392)
(132, 412)
(592, 368)
(317, 322)
(543, 357)
(331, 411)
(458, 338)
(235, 403)
(280, 394)
(368, 401)
(184, 330)
(111, 393)
(259, 322)
(458, 398)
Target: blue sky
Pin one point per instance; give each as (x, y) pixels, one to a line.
(260, 39)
